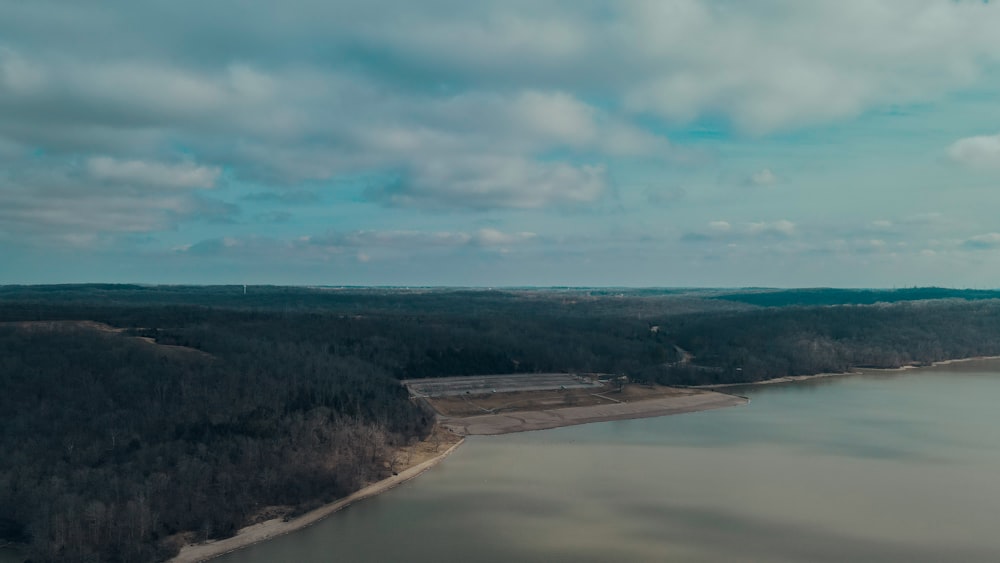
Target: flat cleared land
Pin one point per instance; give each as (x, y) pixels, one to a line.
(520, 401)
(476, 384)
(501, 404)
(522, 421)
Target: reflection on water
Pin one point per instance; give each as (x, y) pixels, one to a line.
(877, 467)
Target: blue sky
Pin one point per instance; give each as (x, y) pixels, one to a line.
(631, 143)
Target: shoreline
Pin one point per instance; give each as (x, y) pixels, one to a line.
(857, 371)
(270, 529)
(524, 421)
(933, 364)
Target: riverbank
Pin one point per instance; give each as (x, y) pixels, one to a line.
(524, 421)
(858, 371)
(275, 527)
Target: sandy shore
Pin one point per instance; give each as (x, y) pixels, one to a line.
(491, 424)
(941, 363)
(277, 526)
(858, 371)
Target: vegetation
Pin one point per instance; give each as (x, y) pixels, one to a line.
(830, 296)
(209, 406)
(113, 444)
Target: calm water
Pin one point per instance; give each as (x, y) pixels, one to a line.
(879, 467)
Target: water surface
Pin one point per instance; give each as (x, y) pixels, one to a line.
(899, 466)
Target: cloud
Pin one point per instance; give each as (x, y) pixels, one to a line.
(50, 200)
(389, 239)
(977, 152)
(301, 124)
(493, 237)
(983, 242)
(555, 115)
(870, 245)
(765, 66)
(781, 228)
(117, 118)
(484, 182)
(183, 175)
(359, 88)
(719, 226)
(724, 231)
(373, 244)
(763, 177)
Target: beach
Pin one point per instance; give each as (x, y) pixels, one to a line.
(857, 371)
(275, 527)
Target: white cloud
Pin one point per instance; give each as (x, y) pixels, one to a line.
(781, 64)
(482, 182)
(502, 87)
(493, 237)
(368, 243)
(181, 175)
(727, 232)
(469, 105)
(57, 201)
(374, 238)
(781, 227)
(763, 177)
(18, 76)
(299, 124)
(720, 226)
(554, 115)
(978, 152)
(767, 65)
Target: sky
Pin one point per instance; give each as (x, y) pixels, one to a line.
(670, 143)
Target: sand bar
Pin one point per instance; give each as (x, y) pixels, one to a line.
(278, 526)
(523, 421)
(857, 371)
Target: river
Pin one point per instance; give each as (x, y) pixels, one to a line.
(886, 466)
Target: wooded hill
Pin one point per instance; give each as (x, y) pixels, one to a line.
(210, 405)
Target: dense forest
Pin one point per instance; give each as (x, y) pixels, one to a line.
(133, 414)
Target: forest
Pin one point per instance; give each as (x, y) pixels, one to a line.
(135, 414)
